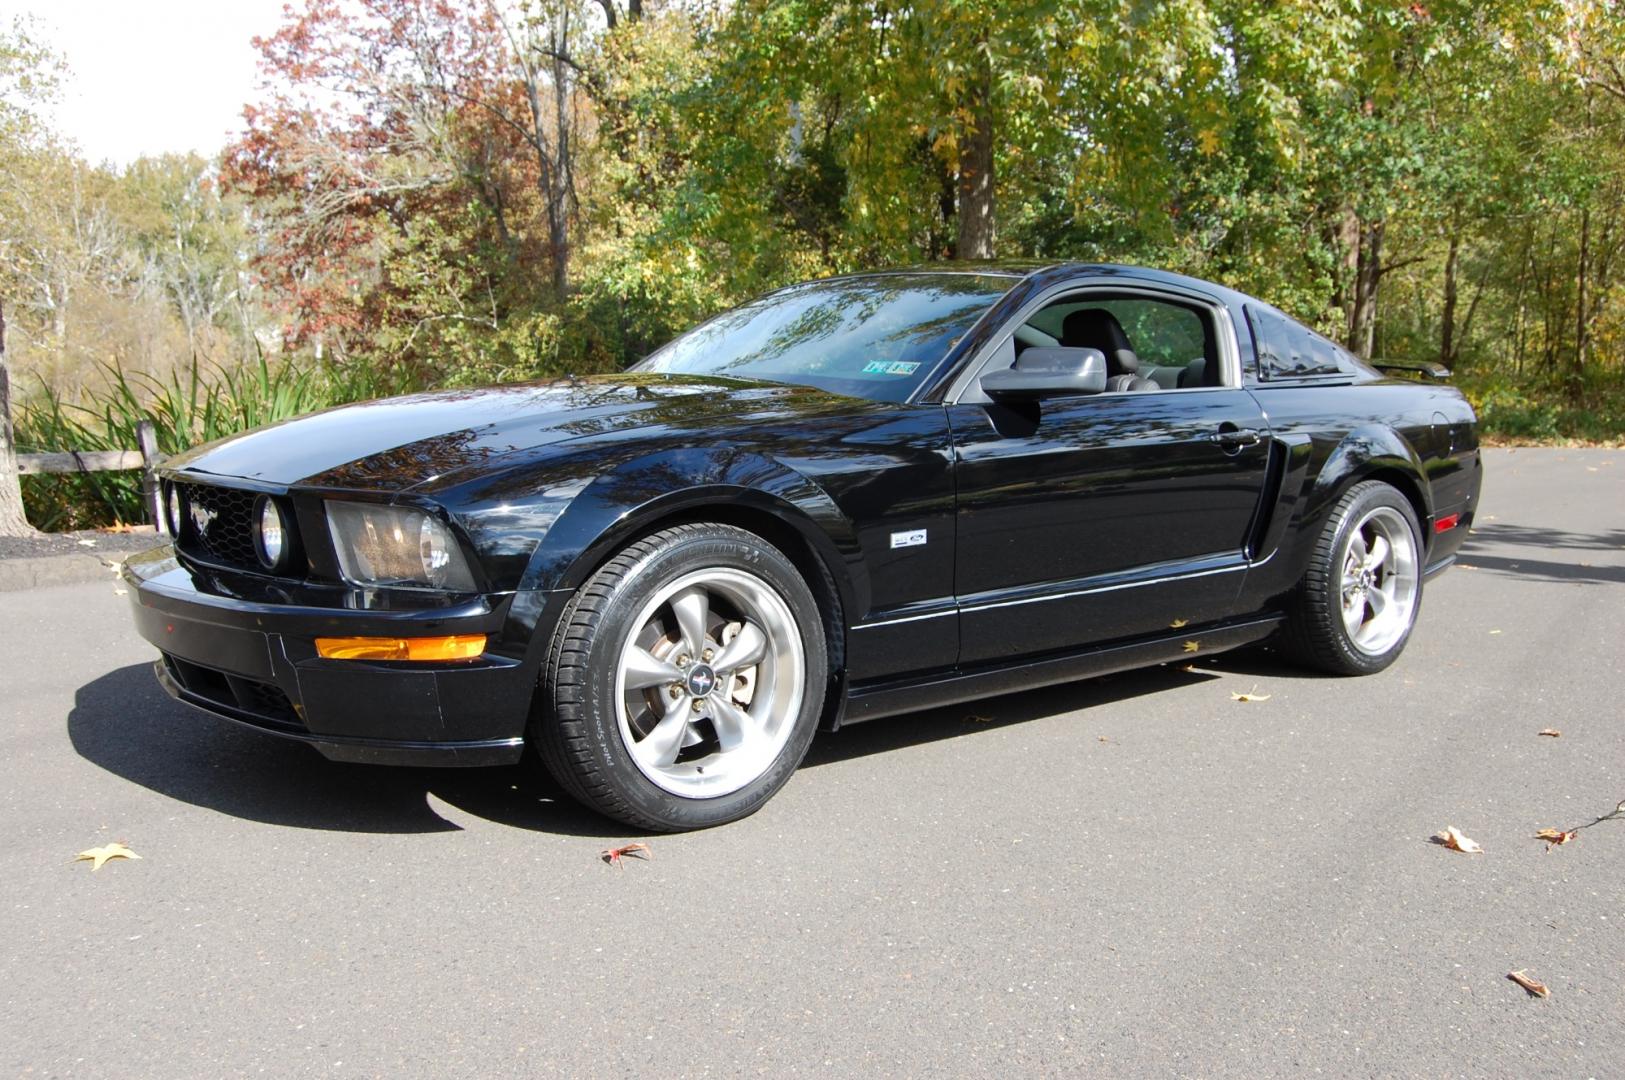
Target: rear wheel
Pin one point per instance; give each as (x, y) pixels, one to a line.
(1355, 608)
(685, 681)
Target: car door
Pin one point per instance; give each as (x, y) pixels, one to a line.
(1106, 516)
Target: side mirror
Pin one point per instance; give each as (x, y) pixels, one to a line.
(1048, 372)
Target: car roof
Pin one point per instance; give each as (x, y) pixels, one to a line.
(1042, 273)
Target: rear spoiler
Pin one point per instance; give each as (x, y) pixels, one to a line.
(1427, 369)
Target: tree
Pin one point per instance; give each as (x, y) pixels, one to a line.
(13, 522)
(28, 76)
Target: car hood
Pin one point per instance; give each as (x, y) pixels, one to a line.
(397, 443)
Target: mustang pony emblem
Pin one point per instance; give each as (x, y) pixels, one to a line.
(201, 516)
(701, 680)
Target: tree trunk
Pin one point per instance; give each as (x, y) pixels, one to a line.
(947, 208)
(976, 219)
(563, 176)
(1362, 320)
(558, 236)
(547, 185)
(1466, 333)
(1521, 303)
(13, 522)
(1447, 320)
(1582, 325)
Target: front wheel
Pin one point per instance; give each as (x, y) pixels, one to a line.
(685, 681)
(1358, 600)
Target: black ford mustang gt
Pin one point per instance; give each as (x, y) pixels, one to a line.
(846, 499)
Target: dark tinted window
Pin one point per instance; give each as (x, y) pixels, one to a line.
(1290, 350)
(876, 337)
(1174, 344)
(1168, 335)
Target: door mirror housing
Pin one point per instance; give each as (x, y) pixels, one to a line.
(1042, 372)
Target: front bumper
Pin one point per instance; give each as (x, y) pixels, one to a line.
(249, 655)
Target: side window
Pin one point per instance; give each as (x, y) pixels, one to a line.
(1149, 344)
(1289, 350)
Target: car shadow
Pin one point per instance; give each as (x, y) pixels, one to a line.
(1496, 547)
(124, 723)
(1496, 532)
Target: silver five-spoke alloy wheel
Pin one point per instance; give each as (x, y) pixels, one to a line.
(710, 682)
(1380, 581)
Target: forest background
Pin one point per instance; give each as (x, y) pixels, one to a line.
(453, 192)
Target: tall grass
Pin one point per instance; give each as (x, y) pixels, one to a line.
(186, 410)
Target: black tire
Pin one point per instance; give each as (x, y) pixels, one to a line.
(1316, 633)
(577, 725)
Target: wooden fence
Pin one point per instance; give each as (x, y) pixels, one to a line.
(145, 457)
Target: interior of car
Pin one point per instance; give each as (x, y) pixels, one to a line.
(1149, 344)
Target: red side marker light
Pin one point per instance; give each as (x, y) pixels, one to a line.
(1446, 523)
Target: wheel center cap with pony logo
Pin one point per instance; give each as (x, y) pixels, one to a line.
(701, 680)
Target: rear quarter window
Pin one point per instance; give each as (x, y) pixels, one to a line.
(1290, 350)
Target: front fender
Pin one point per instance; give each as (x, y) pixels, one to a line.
(635, 495)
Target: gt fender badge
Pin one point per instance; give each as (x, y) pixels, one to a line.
(912, 538)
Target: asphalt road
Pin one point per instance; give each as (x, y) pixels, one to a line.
(1131, 876)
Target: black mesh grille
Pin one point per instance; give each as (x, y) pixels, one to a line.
(219, 525)
(263, 701)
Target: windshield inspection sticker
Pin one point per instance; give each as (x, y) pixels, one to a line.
(890, 367)
(912, 538)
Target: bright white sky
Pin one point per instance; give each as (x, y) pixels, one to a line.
(151, 76)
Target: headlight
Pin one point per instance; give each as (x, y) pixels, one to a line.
(380, 545)
(174, 506)
(271, 536)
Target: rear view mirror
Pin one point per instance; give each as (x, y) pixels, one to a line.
(1053, 371)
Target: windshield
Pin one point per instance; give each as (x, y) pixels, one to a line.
(875, 337)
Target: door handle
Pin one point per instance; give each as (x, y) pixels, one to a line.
(1232, 439)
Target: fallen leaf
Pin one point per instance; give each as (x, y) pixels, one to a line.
(1550, 732)
(119, 527)
(1453, 839)
(1192, 646)
(1101, 738)
(98, 855)
(1495, 631)
(614, 855)
(87, 543)
(1251, 695)
(1177, 623)
(1555, 837)
(1536, 989)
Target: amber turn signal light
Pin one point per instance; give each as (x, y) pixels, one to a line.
(454, 647)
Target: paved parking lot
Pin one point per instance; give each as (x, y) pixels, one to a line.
(1131, 876)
